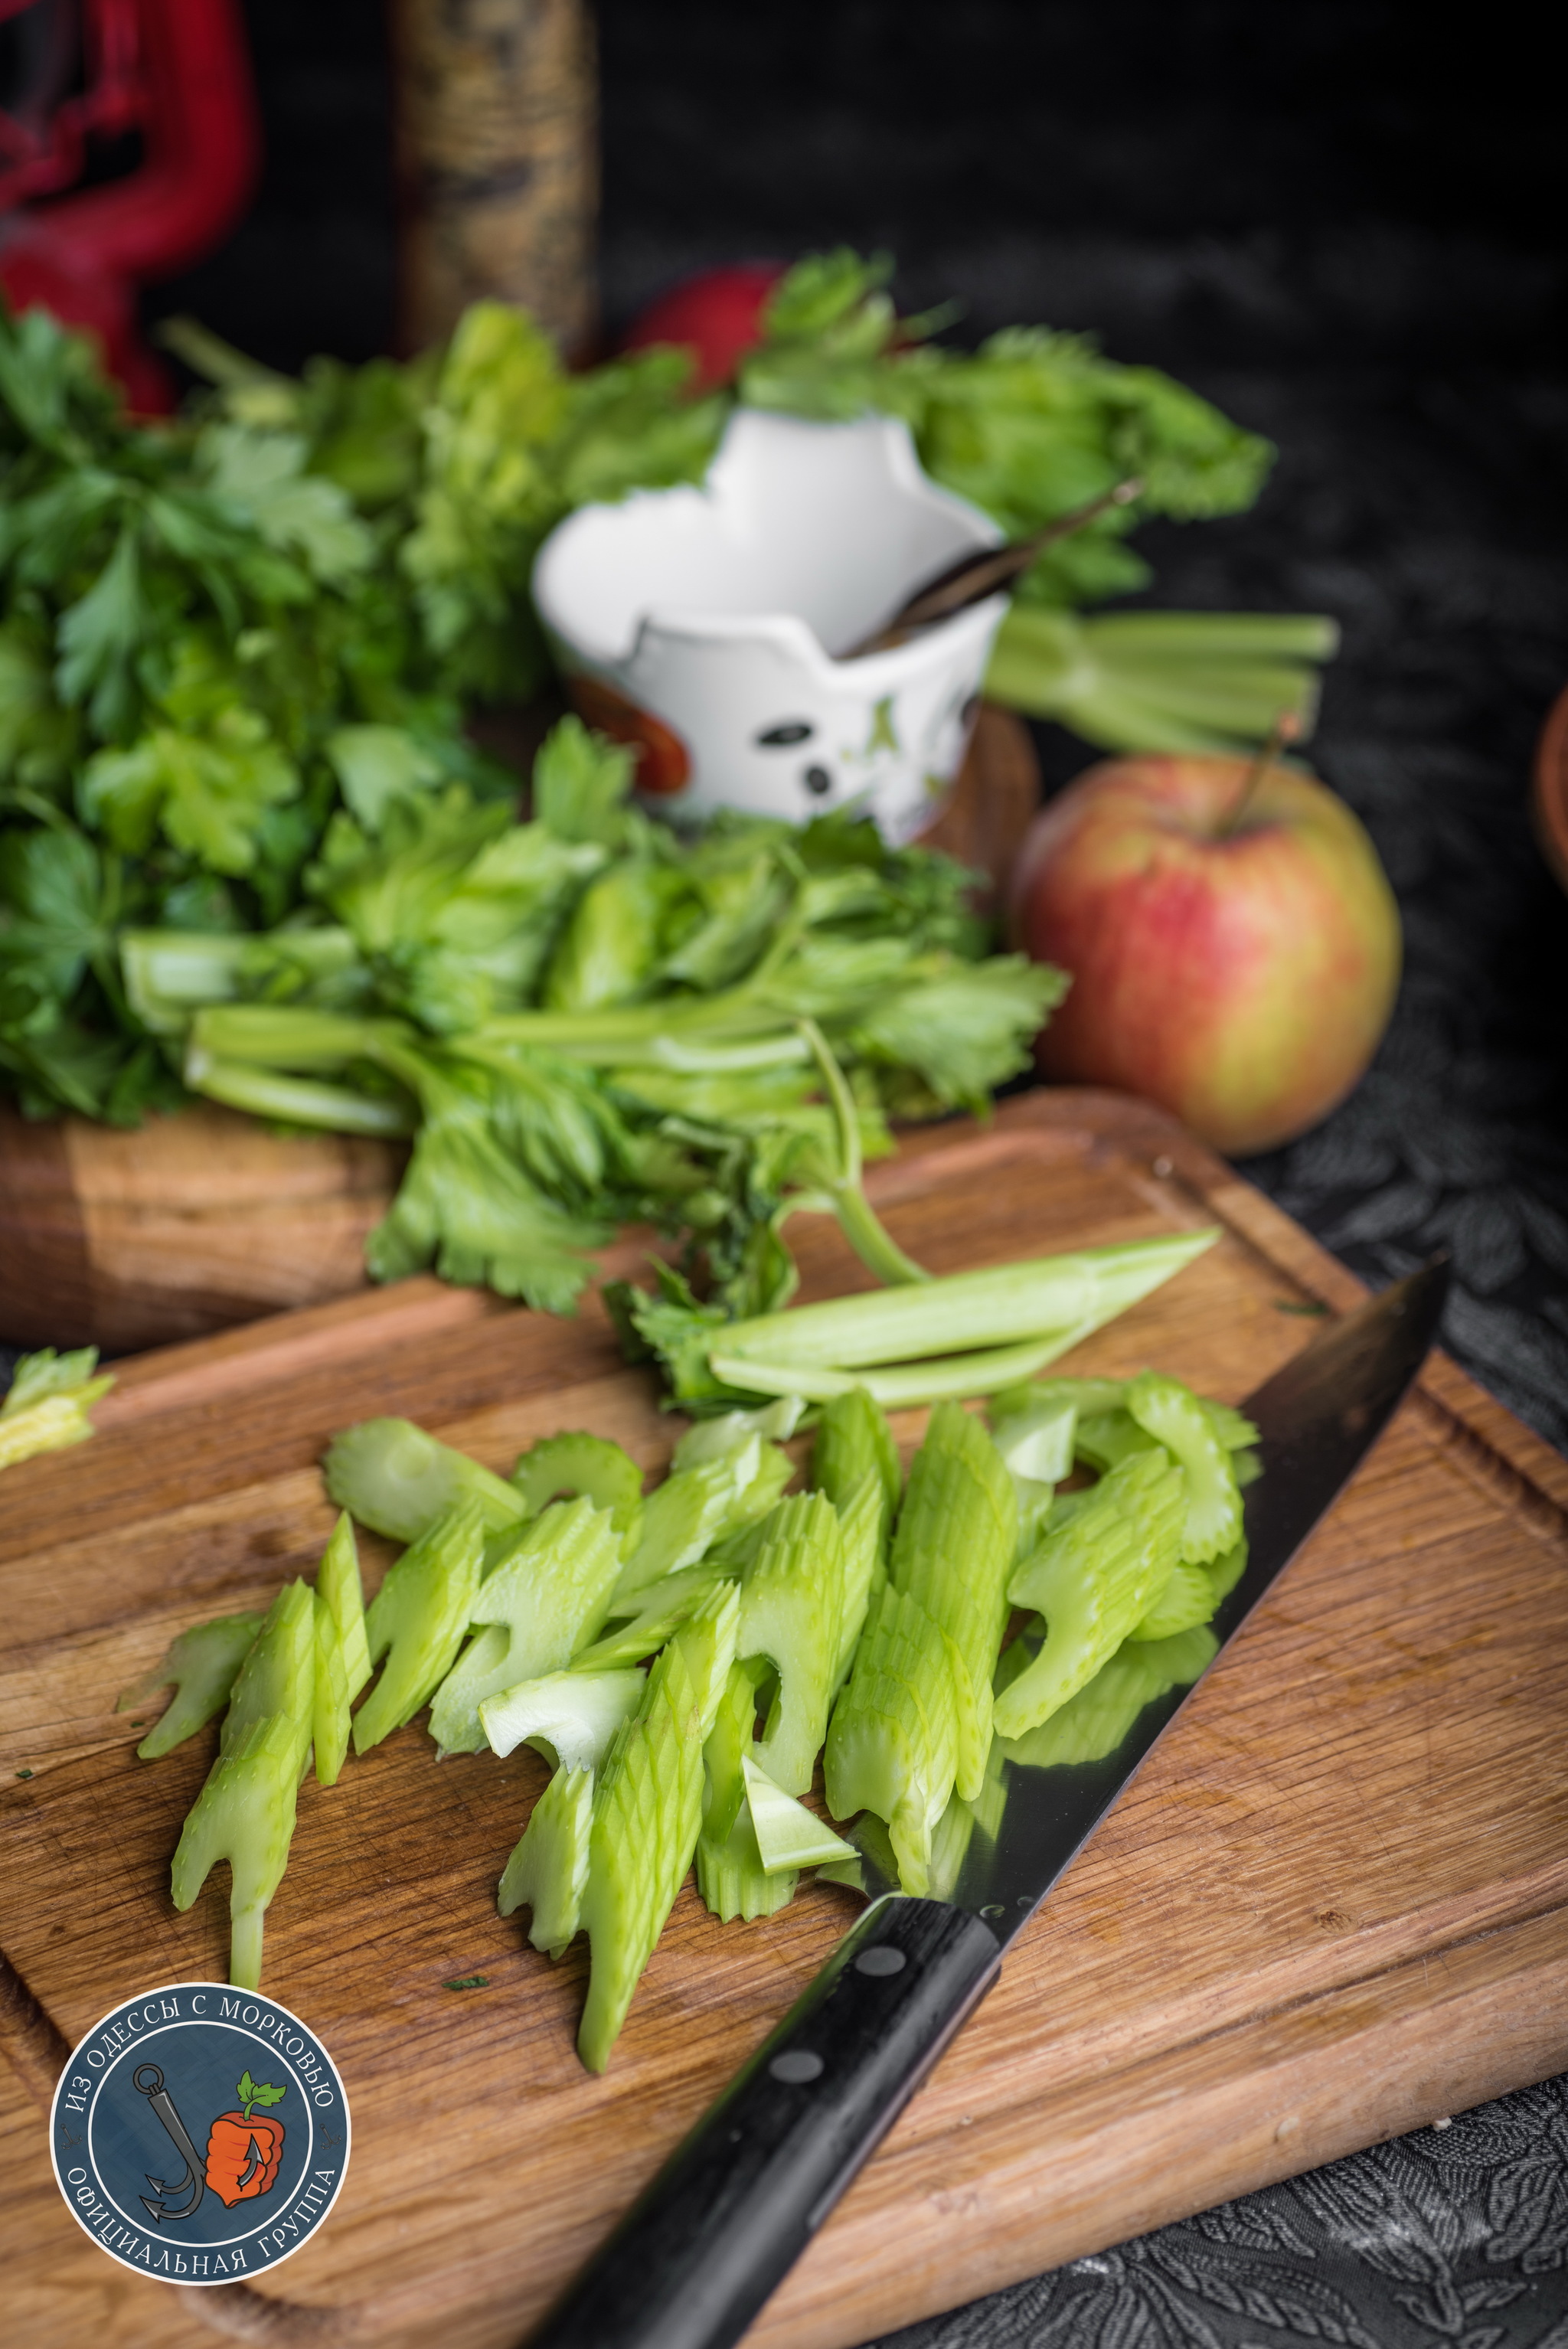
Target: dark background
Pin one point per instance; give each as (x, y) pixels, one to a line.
(1341, 223)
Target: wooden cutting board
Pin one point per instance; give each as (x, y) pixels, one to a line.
(1335, 1905)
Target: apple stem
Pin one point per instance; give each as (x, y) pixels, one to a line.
(1285, 728)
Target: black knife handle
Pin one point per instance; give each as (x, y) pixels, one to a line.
(740, 2197)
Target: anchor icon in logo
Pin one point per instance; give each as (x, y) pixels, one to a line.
(148, 2080)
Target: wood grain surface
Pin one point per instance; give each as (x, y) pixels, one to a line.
(1333, 1905)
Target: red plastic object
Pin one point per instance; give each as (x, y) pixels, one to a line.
(717, 314)
(177, 72)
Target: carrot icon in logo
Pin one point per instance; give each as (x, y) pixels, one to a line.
(242, 2151)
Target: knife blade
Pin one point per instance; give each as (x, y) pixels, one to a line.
(738, 2201)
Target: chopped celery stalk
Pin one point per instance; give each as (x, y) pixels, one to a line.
(953, 1377)
(1037, 1444)
(1087, 1396)
(698, 1506)
(1225, 1572)
(548, 1870)
(1233, 1428)
(729, 1871)
(399, 1480)
(418, 1619)
(245, 1815)
(1175, 1418)
(647, 1809)
(337, 1582)
(1105, 1438)
(1094, 1723)
(571, 1715)
(587, 1464)
(952, 1551)
(997, 1307)
(547, 1599)
(792, 1611)
(892, 1743)
(708, 1439)
(278, 1674)
(1248, 1468)
(788, 1835)
(862, 1520)
(1036, 1503)
(706, 1643)
(659, 1610)
(200, 1666)
(853, 1439)
(1187, 1600)
(330, 1721)
(1093, 1577)
(45, 1406)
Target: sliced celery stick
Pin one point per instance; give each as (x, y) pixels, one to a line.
(1093, 1723)
(1187, 1600)
(565, 1465)
(788, 1835)
(792, 1609)
(1174, 1417)
(417, 1620)
(853, 1439)
(245, 1815)
(398, 1480)
(1038, 1443)
(548, 1870)
(1086, 1395)
(952, 1551)
(654, 1614)
(45, 1406)
(688, 1513)
(547, 1599)
(892, 1743)
(729, 1871)
(1105, 1438)
(571, 1715)
(1036, 1503)
(278, 1674)
(863, 1516)
(707, 1643)
(1093, 1577)
(200, 1665)
(330, 1721)
(1233, 1428)
(708, 1439)
(1225, 1572)
(647, 1809)
(957, 1376)
(337, 1582)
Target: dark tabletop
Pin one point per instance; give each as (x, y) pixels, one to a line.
(1336, 219)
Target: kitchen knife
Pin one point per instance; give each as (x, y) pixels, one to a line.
(738, 2201)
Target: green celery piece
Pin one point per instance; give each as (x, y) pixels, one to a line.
(1036, 1443)
(648, 1812)
(862, 1520)
(1094, 1723)
(952, 1550)
(792, 1611)
(706, 1642)
(1093, 1577)
(1006, 1305)
(544, 1601)
(278, 1674)
(892, 1742)
(729, 1871)
(1187, 1600)
(1175, 1418)
(200, 1666)
(612, 941)
(789, 1836)
(852, 1438)
(1225, 1572)
(1105, 1438)
(337, 1584)
(1087, 1396)
(45, 1406)
(330, 1716)
(589, 1464)
(571, 1715)
(652, 1615)
(245, 1815)
(418, 1619)
(697, 1508)
(1233, 1428)
(709, 1439)
(548, 1870)
(399, 1480)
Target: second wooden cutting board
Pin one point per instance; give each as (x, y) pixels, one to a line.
(1331, 1908)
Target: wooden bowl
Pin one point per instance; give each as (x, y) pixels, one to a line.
(1549, 797)
(202, 1220)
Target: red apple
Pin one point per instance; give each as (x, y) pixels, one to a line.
(717, 314)
(1235, 951)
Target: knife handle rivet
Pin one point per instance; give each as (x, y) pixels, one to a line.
(795, 2067)
(880, 1959)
